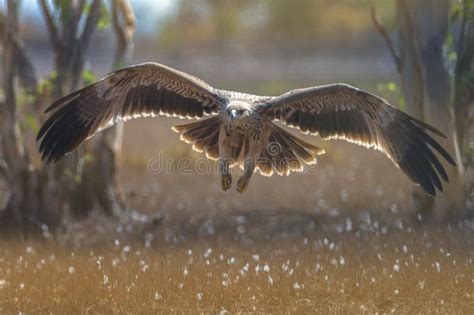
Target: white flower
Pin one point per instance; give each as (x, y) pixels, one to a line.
(270, 279)
(158, 296)
(342, 261)
(296, 286)
(396, 267)
(71, 269)
(256, 257)
(208, 253)
(266, 267)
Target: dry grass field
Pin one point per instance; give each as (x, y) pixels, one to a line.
(338, 266)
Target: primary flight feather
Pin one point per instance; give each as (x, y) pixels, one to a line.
(241, 129)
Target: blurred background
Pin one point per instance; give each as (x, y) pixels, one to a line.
(261, 47)
(103, 231)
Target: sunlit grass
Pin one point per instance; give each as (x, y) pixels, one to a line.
(375, 269)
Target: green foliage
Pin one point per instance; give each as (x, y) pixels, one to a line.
(104, 18)
(62, 9)
(76, 174)
(463, 8)
(391, 90)
(45, 86)
(88, 77)
(31, 122)
(463, 12)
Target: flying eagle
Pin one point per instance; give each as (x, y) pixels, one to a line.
(240, 129)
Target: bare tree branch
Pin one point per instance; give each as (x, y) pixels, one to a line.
(383, 32)
(13, 151)
(83, 43)
(91, 23)
(124, 21)
(410, 60)
(71, 24)
(25, 68)
(464, 91)
(50, 24)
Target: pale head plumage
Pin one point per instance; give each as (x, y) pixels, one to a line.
(236, 110)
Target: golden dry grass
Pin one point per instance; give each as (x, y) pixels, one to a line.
(365, 268)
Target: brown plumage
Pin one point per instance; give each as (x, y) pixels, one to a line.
(242, 129)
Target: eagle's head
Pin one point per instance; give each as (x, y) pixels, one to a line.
(237, 110)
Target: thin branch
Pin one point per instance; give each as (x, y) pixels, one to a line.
(83, 42)
(124, 30)
(25, 68)
(52, 28)
(71, 24)
(383, 32)
(13, 150)
(91, 23)
(460, 48)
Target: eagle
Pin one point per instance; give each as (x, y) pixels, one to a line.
(241, 129)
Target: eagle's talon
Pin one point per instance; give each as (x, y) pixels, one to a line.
(226, 182)
(242, 184)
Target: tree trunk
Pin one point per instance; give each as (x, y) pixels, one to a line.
(13, 152)
(82, 184)
(464, 98)
(49, 194)
(100, 174)
(24, 182)
(423, 26)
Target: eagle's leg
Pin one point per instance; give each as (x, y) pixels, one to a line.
(249, 167)
(226, 178)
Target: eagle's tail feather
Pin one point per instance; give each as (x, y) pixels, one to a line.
(203, 135)
(285, 153)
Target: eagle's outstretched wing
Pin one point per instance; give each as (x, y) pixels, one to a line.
(340, 111)
(143, 90)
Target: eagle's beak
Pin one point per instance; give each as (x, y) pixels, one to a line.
(233, 114)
